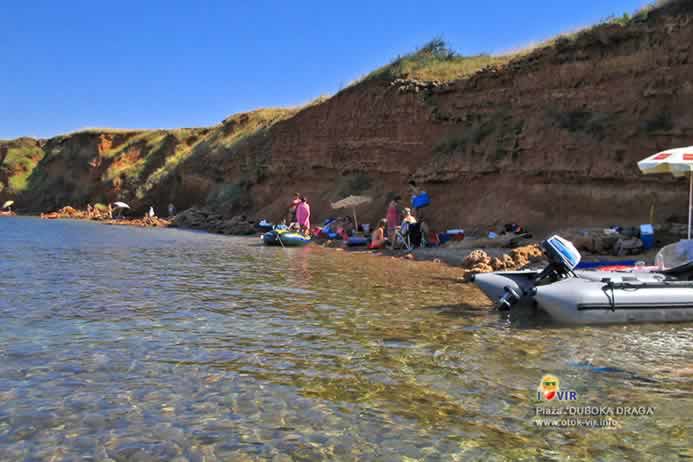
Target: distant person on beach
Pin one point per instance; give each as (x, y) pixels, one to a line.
(393, 217)
(418, 212)
(378, 236)
(348, 226)
(303, 214)
(151, 213)
(291, 217)
(171, 210)
(408, 217)
(415, 191)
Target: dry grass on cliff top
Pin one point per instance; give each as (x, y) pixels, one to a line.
(622, 20)
(434, 61)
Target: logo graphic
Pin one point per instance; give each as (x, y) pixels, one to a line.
(549, 386)
(549, 389)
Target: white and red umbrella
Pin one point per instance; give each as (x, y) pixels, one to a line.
(678, 162)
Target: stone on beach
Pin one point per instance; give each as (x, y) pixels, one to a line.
(478, 261)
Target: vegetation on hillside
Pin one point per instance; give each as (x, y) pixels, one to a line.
(434, 61)
(20, 159)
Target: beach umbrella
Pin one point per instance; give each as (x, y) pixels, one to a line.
(352, 202)
(678, 162)
(7, 204)
(121, 205)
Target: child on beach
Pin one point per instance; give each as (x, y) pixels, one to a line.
(378, 236)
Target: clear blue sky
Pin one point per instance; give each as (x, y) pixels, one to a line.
(66, 65)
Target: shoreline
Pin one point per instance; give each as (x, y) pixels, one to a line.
(432, 257)
(469, 256)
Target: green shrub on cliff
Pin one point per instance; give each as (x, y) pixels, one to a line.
(18, 165)
(434, 61)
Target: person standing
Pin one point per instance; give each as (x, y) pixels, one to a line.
(291, 217)
(171, 210)
(415, 191)
(418, 209)
(303, 214)
(393, 217)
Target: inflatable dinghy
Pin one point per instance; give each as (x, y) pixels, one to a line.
(593, 297)
(285, 238)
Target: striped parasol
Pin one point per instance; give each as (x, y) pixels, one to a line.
(678, 162)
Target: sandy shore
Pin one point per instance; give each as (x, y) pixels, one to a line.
(472, 255)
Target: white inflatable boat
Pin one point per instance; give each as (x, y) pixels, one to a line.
(594, 297)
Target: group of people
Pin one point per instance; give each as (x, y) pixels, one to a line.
(299, 214)
(397, 218)
(95, 212)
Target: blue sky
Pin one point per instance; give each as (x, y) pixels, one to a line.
(163, 64)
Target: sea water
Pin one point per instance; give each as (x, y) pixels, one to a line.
(148, 344)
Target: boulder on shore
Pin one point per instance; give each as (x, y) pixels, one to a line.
(479, 261)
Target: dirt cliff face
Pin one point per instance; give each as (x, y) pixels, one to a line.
(552, 138)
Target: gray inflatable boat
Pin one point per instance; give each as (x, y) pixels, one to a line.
(593, 297)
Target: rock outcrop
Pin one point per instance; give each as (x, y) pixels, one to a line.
(208, 220)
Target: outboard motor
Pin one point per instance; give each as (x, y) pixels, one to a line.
(509, 298)
(563, 258)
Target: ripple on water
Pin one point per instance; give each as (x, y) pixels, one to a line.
(167, 345)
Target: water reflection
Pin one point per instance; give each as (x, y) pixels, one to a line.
(156, 344)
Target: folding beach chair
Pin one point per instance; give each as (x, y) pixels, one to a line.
(402, 237)
(409, 236)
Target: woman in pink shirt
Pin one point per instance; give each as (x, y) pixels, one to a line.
(392, 217)
(303, 214)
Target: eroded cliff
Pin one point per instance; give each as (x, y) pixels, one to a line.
(551, 137)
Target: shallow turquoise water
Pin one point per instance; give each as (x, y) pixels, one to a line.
(141, 344)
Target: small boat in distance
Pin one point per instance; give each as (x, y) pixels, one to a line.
(284, 238)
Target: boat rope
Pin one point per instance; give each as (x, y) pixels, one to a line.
(612, 298)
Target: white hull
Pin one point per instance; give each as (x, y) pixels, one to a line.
(581, 301)
(587, 299)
